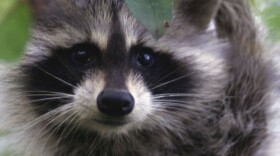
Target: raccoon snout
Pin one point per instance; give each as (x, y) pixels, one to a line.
(115, 102)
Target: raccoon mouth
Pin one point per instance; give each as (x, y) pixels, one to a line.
(114, 123)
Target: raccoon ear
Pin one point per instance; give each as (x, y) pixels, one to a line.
(235, 22)
(192, 16)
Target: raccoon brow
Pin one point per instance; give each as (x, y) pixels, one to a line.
(141, 47)
(88, 46)
(84, 45)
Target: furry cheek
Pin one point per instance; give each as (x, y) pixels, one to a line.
(143, 99)
(86, 94)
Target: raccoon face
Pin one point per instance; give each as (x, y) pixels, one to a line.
(98, 69)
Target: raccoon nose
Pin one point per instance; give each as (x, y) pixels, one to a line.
(115, 102)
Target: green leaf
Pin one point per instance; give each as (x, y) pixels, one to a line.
(271, 16)
(14, 26)
(5, 7)
(153, 14)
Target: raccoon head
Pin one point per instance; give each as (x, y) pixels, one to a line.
(90, 64)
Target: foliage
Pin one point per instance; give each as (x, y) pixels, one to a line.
(271, 16)
(154, 14)
(15, 19)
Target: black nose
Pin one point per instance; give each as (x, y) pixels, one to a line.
(115, 102)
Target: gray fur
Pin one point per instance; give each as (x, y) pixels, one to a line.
(226, 116)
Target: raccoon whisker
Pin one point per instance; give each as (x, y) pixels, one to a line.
(55, 77)
(176, 103)
(181, 103)
(47, 99)
(174, 80)
(177, 119)
(173, 101)
(72, 72)
(87, 107)
(194, 112)
(156, 118)
(114, 153)
(50, 123)
(96, 142)
(51, 133)
(165, 123)
(94, 145)
(74, 131)
(48, 92)
(197, 101)
(176, 95)
(71, 118)
(171, 81)
(168, 74)
(185, 108)
(187, 95)
(60, 110)
(42, 91)
(49, 95)
(60, 115)
(71, 122)
(169, 100)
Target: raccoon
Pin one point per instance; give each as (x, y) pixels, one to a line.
(94, 82)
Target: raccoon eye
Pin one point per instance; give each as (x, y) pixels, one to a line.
(82, 56)
(145, 59)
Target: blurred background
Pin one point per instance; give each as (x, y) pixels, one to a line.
(15, 20)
